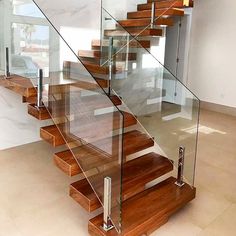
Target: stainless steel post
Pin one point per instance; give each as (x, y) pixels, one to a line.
(40, 89)
(7, 69)
(110, 61)
(107, 224)
(180, 177)
(153, 15)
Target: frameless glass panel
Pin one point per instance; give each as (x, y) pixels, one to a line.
(161, 103)
(88, 120)
(29, 49)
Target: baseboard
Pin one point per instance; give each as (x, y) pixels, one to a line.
(218, 108)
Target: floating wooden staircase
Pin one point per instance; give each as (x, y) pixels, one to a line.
(88, 141)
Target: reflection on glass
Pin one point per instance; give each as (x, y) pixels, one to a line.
(29, 49)
(25, 8)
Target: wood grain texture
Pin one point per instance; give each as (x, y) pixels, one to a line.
(148, 210)
(159, 12)
(96, 54)
(136, 174)
(39, 113)
(96, 44)
(165, 4)
(133, 32)
(85, 197)
(66, 162)
(145, 22)
(19, 85)
(52, 135)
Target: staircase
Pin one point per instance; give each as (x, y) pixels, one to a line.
(101, 131)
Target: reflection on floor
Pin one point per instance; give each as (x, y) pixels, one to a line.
(34, 199)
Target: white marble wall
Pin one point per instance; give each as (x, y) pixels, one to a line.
(16, 126)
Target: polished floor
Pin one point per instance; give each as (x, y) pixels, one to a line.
(34, 193)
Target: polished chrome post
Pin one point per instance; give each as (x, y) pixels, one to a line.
(40, 89)
(180, 178)
(153, 15)
(107, 224)
(127, 53)
(110, 61)
(7, 69)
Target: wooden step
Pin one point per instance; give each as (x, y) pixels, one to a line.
(95, 54)
(19, 85)
(97, 127)
(159, 12)
(133, 141)
(39, 113)
(136, 174)
(86, 105)
(66, 162)
(145, 22)
(166, 4)
(52, 135)
(133, 32)
(96, 44)
(148, 210)
(96, 154)
(32, 100)
(82, 194)
(185, 2)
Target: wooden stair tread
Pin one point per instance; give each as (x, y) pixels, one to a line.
(96, 154)
(19, 84)
(145, 22)
(39, 113)
(86, 105)
(95, 54)
(133, 32)
(66, 162)
(165, 4)
(159, 12)
(92, 128)
(52, 135)
(136, 174)
(96, 44)
(133, 141)
(148, 210)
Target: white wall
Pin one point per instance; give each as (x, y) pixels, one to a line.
(212, 63)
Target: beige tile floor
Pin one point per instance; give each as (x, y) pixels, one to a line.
(34, 199)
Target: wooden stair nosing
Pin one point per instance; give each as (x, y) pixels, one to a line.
(19, 84)
(148, 210)
(39, 113)
(164, 4)
(96, 44)
(96, 54)
(159, 12)
(136, 174)
(66, 162)
(52, 135)
(133, 32)
(145, 22)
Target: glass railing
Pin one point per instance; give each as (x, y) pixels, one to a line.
(147, 25)
(89, 121)
(163, 105)
(94, 125)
